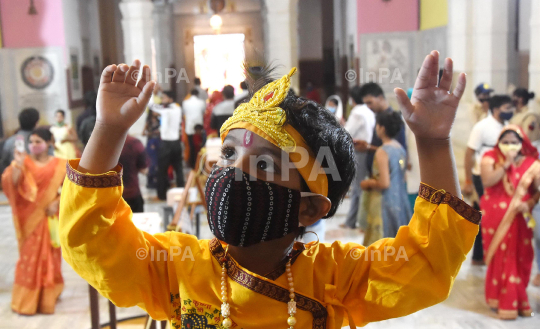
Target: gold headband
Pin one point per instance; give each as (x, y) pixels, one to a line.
(263, 116)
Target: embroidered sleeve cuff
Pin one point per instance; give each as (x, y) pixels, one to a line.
(111, 178)
(435, 196)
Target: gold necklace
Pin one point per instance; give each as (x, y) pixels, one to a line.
(226, 308)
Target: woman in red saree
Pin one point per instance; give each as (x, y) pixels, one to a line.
(510, 174)
(31, 184)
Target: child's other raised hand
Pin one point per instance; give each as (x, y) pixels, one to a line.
(431, 111)
(121, 98)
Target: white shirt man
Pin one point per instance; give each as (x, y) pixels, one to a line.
(171, 120)
(484, 137)
(360, 125)
(193, 112)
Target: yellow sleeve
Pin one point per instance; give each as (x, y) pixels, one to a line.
(395, 277)
(104, 247)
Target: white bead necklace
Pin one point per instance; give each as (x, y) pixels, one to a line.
(226, 308)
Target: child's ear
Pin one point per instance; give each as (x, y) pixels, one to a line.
(312, 209)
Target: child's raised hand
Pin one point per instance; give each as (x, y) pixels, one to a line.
(121, 99)
(431, 110)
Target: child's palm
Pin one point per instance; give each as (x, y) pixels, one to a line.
(431, 111)
(121, 99)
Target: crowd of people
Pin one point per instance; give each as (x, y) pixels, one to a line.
(501, 169)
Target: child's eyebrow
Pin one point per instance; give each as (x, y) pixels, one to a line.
(273, 151)
(232, 138)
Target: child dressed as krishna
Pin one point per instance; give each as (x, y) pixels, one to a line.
(286, 163)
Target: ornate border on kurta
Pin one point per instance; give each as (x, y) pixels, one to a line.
(269, 289)
(110, 179)
(435, 196)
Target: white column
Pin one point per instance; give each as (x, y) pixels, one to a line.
(494, 47)
(534, 63)
(138, 28)
(164, 41)
(460, 41)
(281, 38)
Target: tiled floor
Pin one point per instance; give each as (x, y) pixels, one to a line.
(464, 309)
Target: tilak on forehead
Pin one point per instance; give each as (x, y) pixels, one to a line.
(248, 138)
(263, 116)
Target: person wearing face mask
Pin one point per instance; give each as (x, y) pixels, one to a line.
(511, 176)
(484, 137)
(521, 98)
(335, 106)
(31, 184)
(481, 107)
(285, 164)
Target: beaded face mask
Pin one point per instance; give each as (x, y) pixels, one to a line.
(243, 211)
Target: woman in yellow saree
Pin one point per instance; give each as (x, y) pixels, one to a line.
(31, 184)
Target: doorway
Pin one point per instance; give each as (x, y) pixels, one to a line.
(218, 60)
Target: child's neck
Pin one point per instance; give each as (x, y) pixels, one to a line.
(264, 257)
(386, 140)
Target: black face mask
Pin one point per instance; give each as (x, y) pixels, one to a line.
(243, 211)
(506, 116)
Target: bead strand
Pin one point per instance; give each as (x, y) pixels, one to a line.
(225, 307)
(291, 321)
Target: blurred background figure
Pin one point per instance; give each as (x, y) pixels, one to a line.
(216, 98)
(89, 108)
(28, 119)
(360, 125)
(65, 137)
(153, 141)
(511, 177)
(31, 184)
(334, 105)
(521, 98)
(312, 93)
(170, 148)
(134, 160)
(386, 190)
(202, 93)
(223, 110)
(483, 138)
(243, 96)
(481, 107)
(193, 109)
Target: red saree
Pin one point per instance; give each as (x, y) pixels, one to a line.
(506, 237)
(38, 278)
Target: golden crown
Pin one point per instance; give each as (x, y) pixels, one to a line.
(263, 112)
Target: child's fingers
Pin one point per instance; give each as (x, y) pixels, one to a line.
(423, 79)
(120, 73)
(145, 77)
(446, 80)
(404, 102)
(434, 73)
(107, 74)
(133, 73)
(146, 93)
(460, 88)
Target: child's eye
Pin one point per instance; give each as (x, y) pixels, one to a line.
(227, 153)
(266, 165)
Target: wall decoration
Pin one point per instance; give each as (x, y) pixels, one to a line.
(75, 88)
(388, 59)
(37, 72)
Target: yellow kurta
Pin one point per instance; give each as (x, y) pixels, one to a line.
(334, 283)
